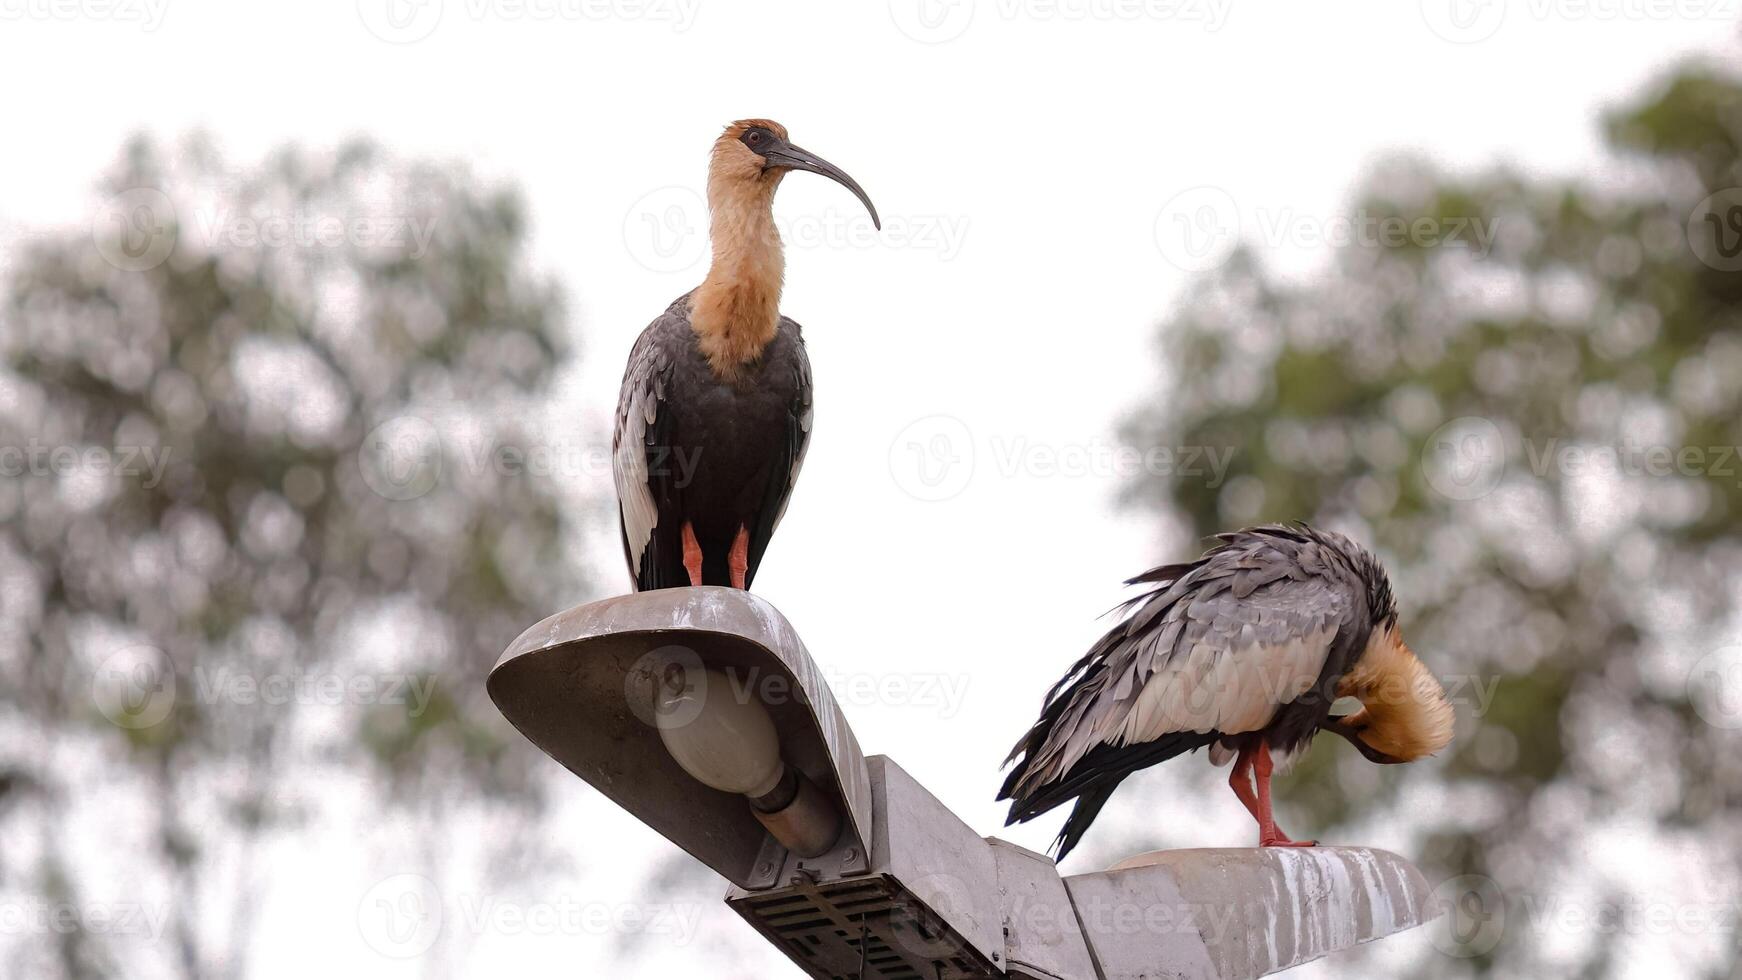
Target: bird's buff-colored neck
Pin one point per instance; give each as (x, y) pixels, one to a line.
(736, 310)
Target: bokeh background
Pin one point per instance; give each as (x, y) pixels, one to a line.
(311, 321)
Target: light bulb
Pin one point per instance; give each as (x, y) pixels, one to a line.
(719, 735)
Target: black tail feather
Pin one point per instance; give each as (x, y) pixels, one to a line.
(1088, 805)
(1093, 779)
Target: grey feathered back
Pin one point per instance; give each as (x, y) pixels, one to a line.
(1266, 602)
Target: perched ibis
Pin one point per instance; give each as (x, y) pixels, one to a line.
(715, 411)
(1241, 652)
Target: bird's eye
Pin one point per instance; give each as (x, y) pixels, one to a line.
(755, 136)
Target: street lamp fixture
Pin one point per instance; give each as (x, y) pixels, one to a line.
(700, 712)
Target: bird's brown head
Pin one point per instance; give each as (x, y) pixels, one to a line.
(752, 156)
(1404, 714)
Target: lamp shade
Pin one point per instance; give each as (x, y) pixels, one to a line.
(582, 686)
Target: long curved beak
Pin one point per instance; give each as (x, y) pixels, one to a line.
(1336, 727)
(784, 154)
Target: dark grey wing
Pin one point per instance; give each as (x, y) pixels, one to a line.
(640, 467)
(1216, 648)
(790, 456)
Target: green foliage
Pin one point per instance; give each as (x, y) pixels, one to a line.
(295, 310)
(1583, 594)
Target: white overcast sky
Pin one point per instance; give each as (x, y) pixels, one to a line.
(1021, 152)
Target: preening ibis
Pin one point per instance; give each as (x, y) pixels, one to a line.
(715, 411)
(1242, 652)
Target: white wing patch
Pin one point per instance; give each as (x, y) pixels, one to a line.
(634, 498)
(637, 407)
(1230, 691)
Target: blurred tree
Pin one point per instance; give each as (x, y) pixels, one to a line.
(1537, 433)
(261, 540)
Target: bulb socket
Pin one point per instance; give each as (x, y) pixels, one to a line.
(805, 822)
(781, 796)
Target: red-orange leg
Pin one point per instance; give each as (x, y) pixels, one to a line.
(692, 554)
(1240, 781)
(738, 559)
(1269, 834)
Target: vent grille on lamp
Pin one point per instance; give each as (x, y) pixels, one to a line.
(863, 929)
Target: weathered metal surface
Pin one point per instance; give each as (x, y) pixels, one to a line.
(929, 908)
(1042, 939)
(1234, 913)
(938, 857)
(1138, 925)
(579, 686)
